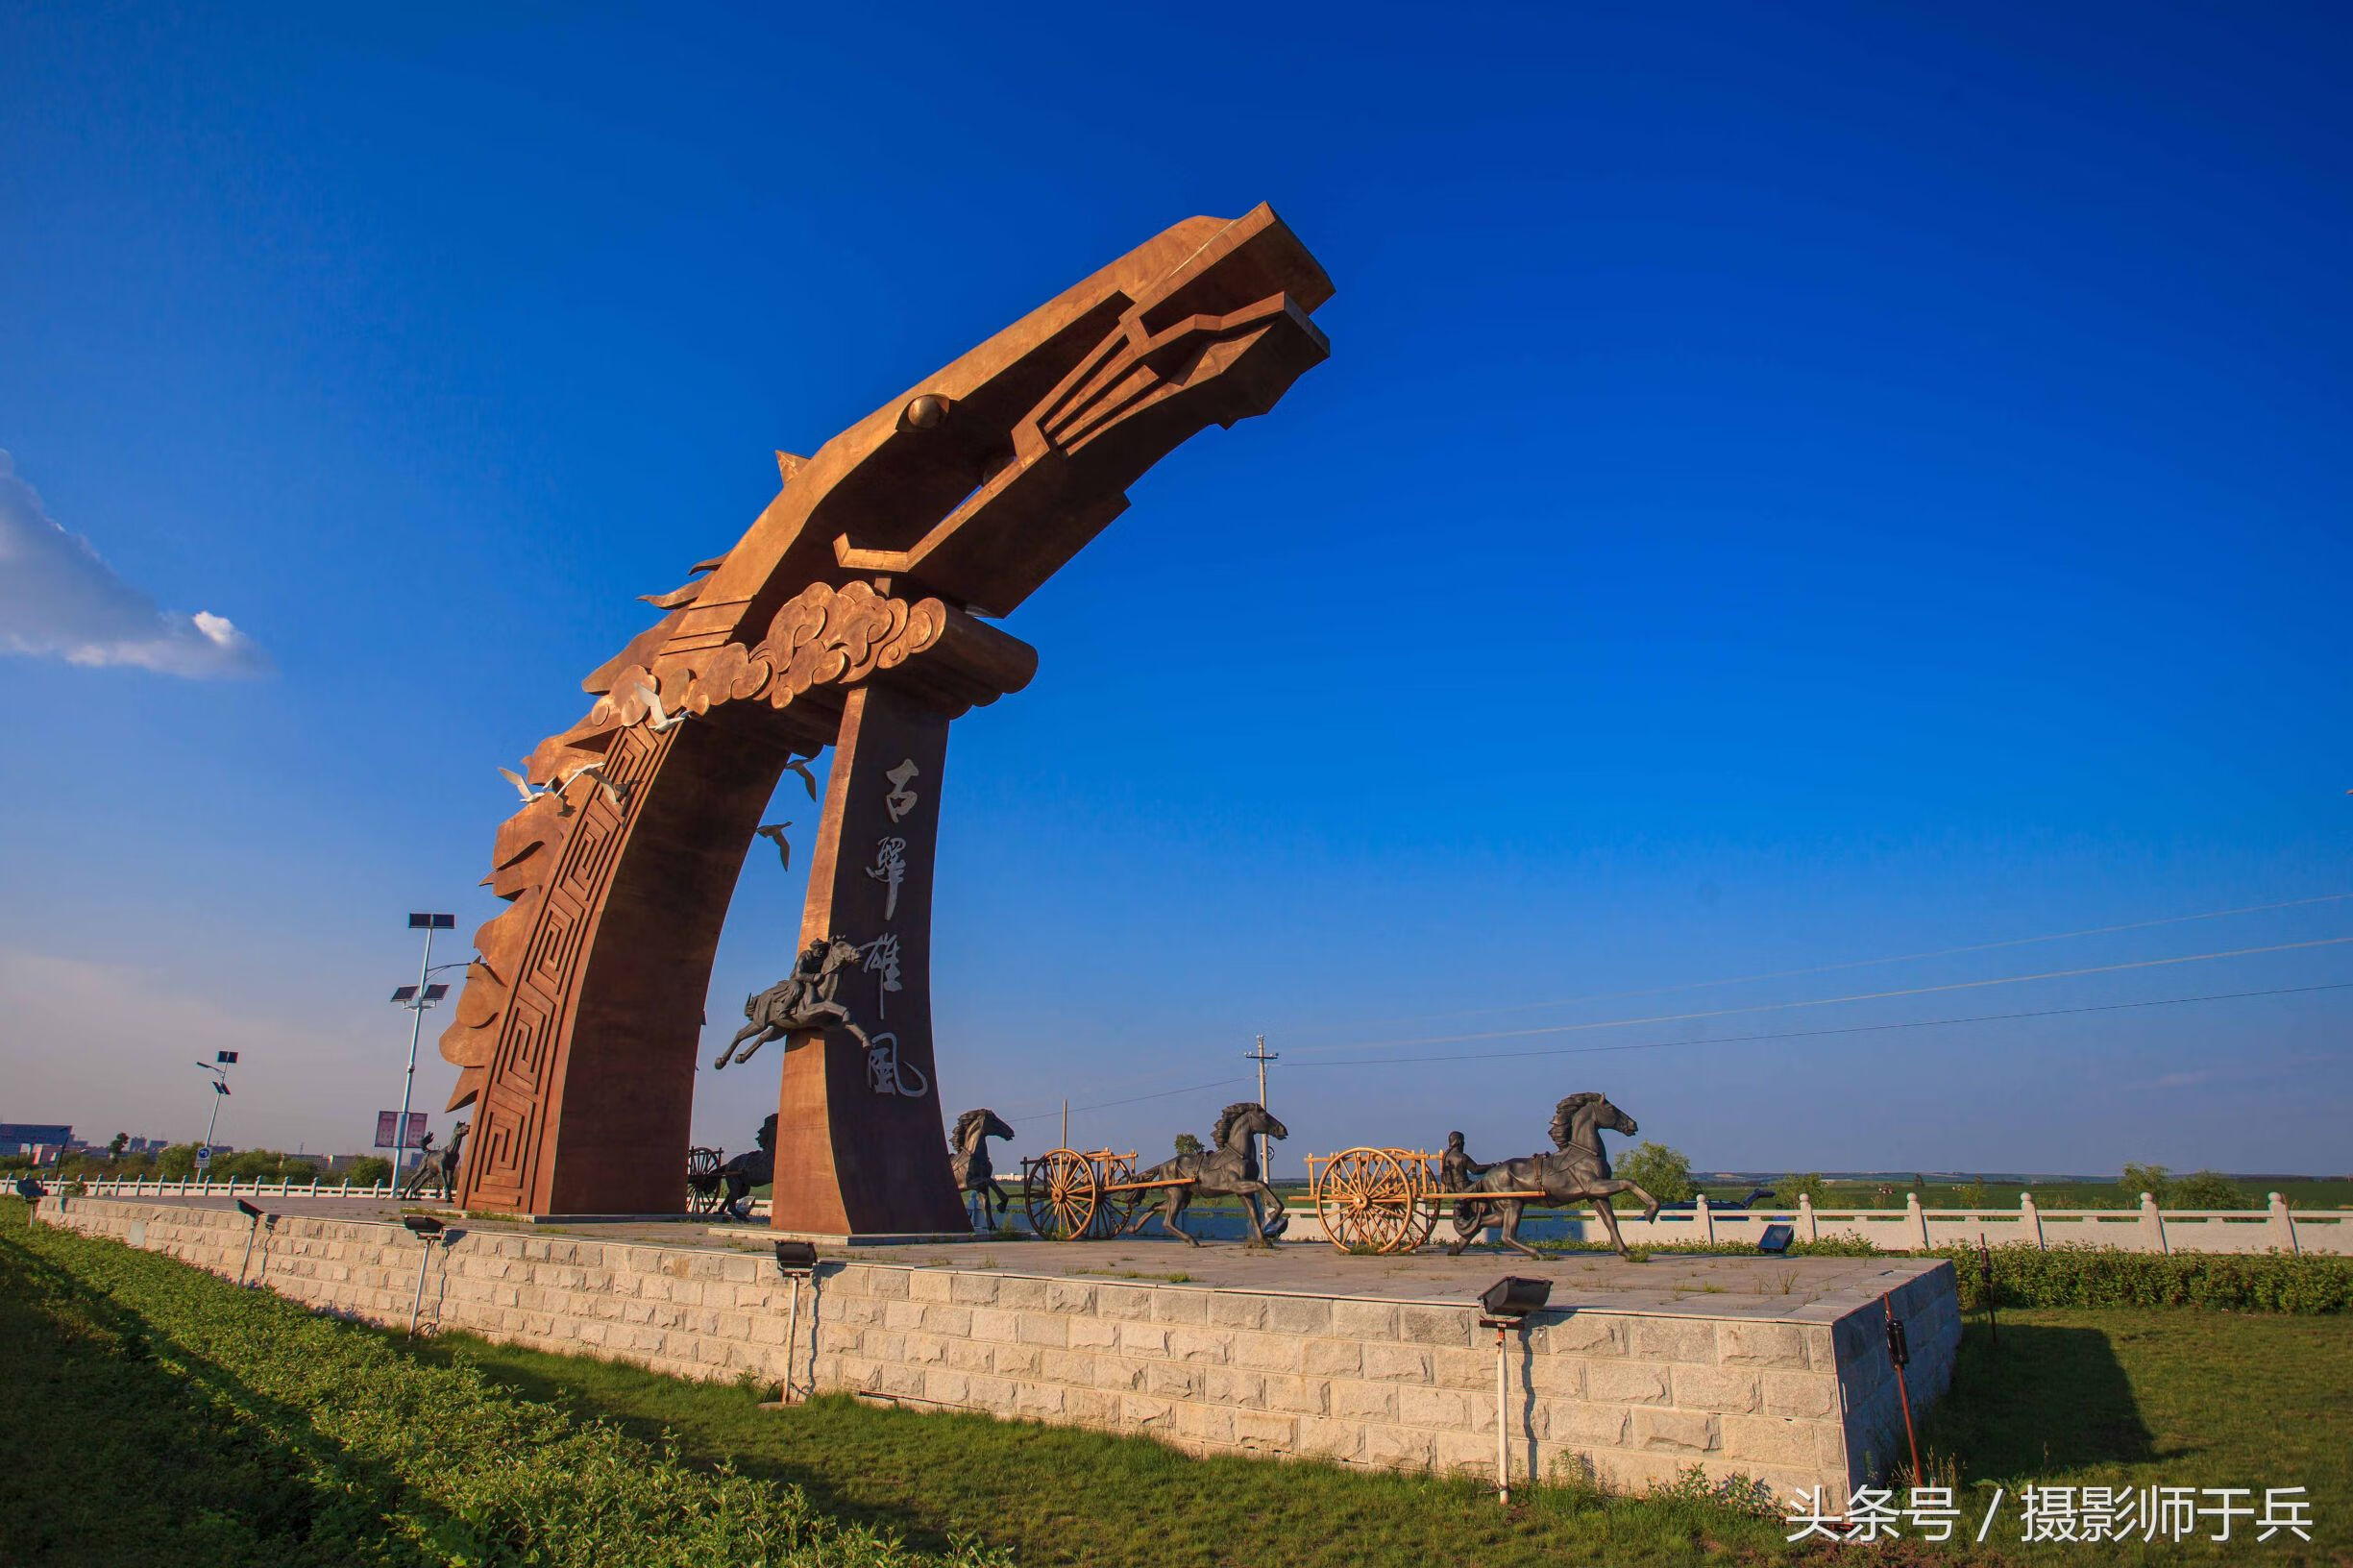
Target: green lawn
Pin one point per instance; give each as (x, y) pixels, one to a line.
(147, 1420)
(2138, 1398)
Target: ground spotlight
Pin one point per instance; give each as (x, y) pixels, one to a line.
(1512, 1297)
(424, 1225)
(796, 1260)
(1505, 1306)
(1776, 1239)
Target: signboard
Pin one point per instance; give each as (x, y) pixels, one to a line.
(385, 1122)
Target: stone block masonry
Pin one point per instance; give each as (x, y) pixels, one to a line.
(1626, 1391)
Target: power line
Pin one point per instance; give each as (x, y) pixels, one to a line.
(1105, 1105)
(1850, 1029)
(1846, 964)
(1828, 1001)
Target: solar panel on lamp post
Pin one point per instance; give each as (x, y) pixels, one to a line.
(416, 998)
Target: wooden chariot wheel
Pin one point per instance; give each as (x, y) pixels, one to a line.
(1369, 1202)
(1062, 1194)
(704, 1190)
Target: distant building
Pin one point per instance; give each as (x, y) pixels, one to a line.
(29, 1137)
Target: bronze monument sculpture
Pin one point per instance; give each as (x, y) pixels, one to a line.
(967, 1161)
(1228, 1168)
(849, 615)
(725, 1188)
(438, 1167)
(1579, 1173)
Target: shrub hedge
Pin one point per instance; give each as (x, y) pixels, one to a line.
(359, 1453)
(2073, 1274)
(2082, 1276)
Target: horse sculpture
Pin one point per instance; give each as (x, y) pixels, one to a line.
(1579, 1173)
(1228, 1169)
(439, 1167)
(741, 1174)
(803, 999)
(967, 1161)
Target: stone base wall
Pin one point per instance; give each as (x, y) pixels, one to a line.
(1627, 1398)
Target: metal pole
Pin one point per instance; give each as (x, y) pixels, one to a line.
(1065, 1124)
(416, 1029)
(1503, 1407)
(418, 1306)
(792, 1339)
(251, 1231)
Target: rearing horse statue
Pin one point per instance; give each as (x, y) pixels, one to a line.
(968, 1159)
(1579, 1173)
(1228, 1170)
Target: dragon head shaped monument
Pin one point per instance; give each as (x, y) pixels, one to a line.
(849, 615)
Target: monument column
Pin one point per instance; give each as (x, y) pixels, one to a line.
(861, 1138)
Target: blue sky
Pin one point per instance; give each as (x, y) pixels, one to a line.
(1792, 486)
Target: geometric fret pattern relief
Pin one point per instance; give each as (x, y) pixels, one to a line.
(853, 613)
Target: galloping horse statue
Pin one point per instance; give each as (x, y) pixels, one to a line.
(803, 999)
(1579, 1173)
(1229, 1170)
(967, 1160)
(439, 1167)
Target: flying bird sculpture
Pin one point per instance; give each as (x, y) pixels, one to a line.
(659, 718)
(617, 793)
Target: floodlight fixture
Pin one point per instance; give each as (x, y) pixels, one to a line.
(406, 994)
(252, 1233)
(796, 1260)
(1777, 1239)
(1505, 1306)
(427, 1230)
(1514, 1297)
(431, 923)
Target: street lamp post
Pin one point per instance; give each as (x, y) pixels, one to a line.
(416, 998)
(218, 1068)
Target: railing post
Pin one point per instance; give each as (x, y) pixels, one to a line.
(1807, 1230)
(2029, 1219)
(1919, 1220)
(1707, 1219)
(2282, 1225)
(2152, 1222)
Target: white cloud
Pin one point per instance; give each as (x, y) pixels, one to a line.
(60, 600)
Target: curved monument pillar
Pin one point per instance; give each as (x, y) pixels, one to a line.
(848, 615)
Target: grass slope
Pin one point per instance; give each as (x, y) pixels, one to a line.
(152, 1412)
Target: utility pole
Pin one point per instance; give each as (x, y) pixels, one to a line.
(1266, 1149)
(416, 998)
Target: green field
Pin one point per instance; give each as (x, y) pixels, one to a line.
(160, 1414)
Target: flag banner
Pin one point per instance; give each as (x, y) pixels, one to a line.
(385, 1122)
